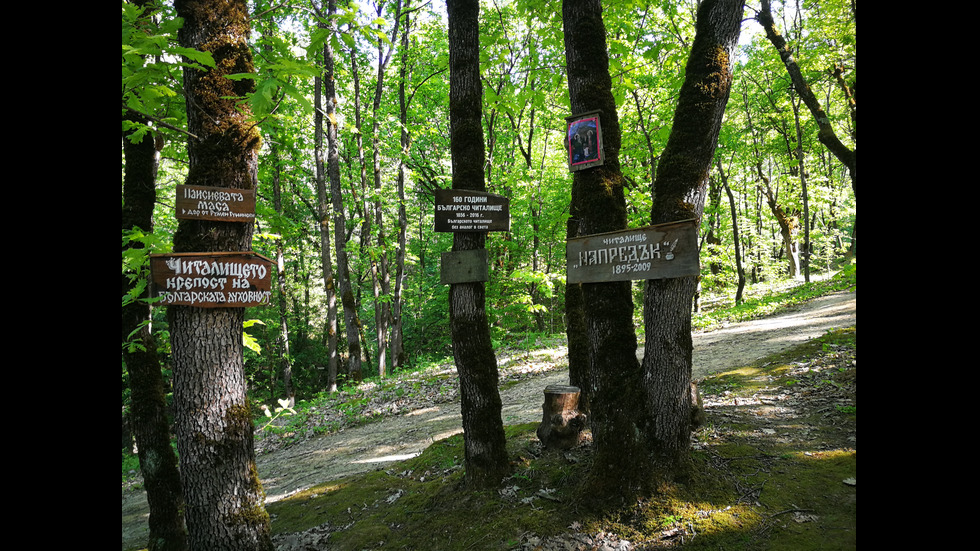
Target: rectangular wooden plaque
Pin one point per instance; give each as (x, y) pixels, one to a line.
(217, 204)
(211, 280)
(464, 267)
(652, 252)
(471, 211)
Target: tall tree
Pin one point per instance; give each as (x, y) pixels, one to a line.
(352, 320)
(213, 421)
(149, 418)
(679, 193)
(598, 205)
(476, 362)
(151, 427)
(323, 197)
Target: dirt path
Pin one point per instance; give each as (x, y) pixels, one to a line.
(376, 445)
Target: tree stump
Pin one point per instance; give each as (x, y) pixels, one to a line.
(561, 424)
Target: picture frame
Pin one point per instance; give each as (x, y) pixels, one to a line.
(583, 141)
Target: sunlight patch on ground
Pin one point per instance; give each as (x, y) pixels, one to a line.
(387, 458)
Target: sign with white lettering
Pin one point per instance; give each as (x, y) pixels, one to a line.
(460, 210)
(653, 252)
(211, 280)
(217, 204)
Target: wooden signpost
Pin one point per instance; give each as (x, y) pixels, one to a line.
(217, 204)
(471, 211)
(460, 210)
(211, 280)
(652, 252)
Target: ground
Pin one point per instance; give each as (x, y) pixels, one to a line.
(286, 470)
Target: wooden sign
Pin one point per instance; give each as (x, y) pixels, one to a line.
(464, 267)
(217, 204)
(653, 252)
(583, 138)
(211, 280)
(471, 211)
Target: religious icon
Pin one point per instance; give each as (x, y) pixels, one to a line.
(584, 141)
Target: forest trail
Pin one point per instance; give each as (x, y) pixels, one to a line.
(376, 445)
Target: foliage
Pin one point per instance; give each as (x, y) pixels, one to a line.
(769, 300)
(525, 105)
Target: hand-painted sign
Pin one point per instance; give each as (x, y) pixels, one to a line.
(652, 252)
(211, 280)
(471, 211)
(217, 204)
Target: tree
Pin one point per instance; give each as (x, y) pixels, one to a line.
(598, 205)
(151, 428)
(149, 419)
(485, 445)
(213, 420)
(678, 194)
(352, 321)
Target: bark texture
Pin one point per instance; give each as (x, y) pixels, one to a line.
(561, 421)
(598, 205)
(679, 193)
(225, 509)
(151, 428)
(476, 362)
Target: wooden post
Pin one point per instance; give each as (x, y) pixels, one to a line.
(561, 424)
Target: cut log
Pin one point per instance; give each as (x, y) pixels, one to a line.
(561, 424)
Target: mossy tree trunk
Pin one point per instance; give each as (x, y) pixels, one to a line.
(679, 193)
(151, 428)
(224, 498)
(476, 362)
(598, 205)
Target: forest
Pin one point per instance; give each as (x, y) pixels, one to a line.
(356, 291)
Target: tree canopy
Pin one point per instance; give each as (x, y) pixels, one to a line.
(775, 187)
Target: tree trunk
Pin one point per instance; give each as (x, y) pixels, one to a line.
(352, 320)
(224, 497)
(561, 422)
(148, 417)
(284, 356)
(485, 445)
(397, 335)
(323, 211)
(679, 193)
(803, 185)
(735, 235)
(598, 205)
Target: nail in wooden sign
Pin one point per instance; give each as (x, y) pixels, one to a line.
(460, 210)
(211, 280)
(652, 252)
(216, 204)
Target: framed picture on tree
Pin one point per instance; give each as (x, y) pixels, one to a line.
(583, 139)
